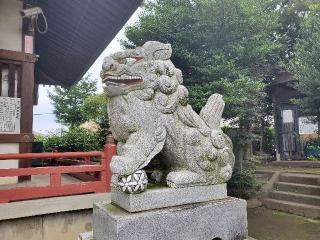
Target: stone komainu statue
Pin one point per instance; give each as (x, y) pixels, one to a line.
(150, 118)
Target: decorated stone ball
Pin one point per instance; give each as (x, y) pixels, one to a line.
(135, 183)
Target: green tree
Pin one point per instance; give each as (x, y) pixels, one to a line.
(94, 108)
(68, 102)
(222, 46)
(242, 109)
(74, 139)
(306, 65)
(291, 17)
(211, 39)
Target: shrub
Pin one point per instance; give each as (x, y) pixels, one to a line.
(269, 141)
(75, 139)
(312, 150)
(243, 184)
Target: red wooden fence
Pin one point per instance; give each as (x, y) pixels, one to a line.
(102, 184)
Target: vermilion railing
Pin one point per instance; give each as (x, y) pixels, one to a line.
(56, 188)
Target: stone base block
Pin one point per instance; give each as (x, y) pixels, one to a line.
(89, 236)
(219, 219)
(160, 197)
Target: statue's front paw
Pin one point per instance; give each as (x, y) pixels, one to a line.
(123, 166)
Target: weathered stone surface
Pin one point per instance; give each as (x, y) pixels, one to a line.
(160, 197)
(86, 236)
(225, 219)
(57, 226)
(150, 117)
(89, 236)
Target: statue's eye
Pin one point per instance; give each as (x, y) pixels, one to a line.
(112, 66)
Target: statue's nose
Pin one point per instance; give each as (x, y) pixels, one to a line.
(109, 64)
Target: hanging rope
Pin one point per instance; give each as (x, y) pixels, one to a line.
(45, 23)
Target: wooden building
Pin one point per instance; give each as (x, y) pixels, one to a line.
(286, 117)
(290, 125)
(76, 32)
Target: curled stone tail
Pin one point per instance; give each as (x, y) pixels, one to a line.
(211, 113)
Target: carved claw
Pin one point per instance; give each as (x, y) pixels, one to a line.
(171, 184)
(184, 178)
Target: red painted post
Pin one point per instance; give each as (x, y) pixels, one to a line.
(55, 179)
(87, 160)
(109, 150)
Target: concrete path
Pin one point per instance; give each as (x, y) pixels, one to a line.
(266, 224)
(50, 205)
(36, 180)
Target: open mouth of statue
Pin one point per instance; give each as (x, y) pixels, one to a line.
(123, 80)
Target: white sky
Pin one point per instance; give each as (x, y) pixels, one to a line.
(43, 118)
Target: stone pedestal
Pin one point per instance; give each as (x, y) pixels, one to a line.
(215, 218)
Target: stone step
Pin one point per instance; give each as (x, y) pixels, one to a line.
(309, 179)
(300, 209)
(296, 164)
(296, 197)
(297, 188)
(262, 177)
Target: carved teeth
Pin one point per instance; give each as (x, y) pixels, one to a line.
(123, 77)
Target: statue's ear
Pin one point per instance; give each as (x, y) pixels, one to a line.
(183, 95)
(167, 85)
(166, 103)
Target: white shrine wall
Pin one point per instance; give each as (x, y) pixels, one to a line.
(10, 39)
(10, 25)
